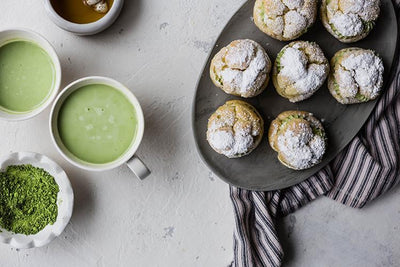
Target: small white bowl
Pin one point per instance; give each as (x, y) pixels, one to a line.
(31, 36)
(88, 28)
(65, 201)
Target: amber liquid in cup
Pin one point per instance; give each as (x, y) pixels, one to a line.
(77, 12)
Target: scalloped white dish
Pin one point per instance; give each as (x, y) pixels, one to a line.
(65, 201)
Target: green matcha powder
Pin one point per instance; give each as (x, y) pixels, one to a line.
(28, 199)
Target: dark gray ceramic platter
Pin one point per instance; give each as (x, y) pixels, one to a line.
(261, 169)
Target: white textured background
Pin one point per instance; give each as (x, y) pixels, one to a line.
(181, 215)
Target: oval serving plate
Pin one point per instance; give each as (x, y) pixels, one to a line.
(261, 169)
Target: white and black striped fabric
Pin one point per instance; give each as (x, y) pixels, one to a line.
(366, 169)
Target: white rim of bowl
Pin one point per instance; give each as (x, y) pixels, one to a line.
(72, 158)
(49, 49)
(65, 201)
(86, 28)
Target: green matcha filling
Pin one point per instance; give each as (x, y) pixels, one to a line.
(218, 79)
(278, 59)
(290, 118)
(28, 199)
(368, 25)
(337, 89)
(262, 12)
(318, 131)
(361, 97)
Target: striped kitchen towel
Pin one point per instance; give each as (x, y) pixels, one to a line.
(367, 168)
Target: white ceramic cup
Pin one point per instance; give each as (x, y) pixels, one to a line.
(7, 36)
(88, 28)
(129, 158)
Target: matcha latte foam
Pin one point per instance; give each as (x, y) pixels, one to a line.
(97, 123)
(27, 76)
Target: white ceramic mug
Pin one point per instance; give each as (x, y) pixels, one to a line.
(133, 162)
(7, 36)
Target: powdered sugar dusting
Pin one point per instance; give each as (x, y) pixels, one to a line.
(348, 24)
(361, 72)
(346, 81)
(230, 143)
(222, 140)
(293, 62)
(295, 24)
(276, 24)
(289, 18)
(293, 4)
(348, 17)
(353, 6)
(230, 134)
(301, 149)
(306, 78)
(240, 55)
(246, 63)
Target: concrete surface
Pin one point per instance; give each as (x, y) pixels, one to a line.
(181, 215)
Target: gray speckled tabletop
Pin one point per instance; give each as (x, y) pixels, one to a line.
(181, 215)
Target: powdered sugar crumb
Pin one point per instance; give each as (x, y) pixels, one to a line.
(246, 62)
(295, 23)
(362, 72)
(289, 18)
(293, 4)
(348, 24)
(230, 143)
(231, 135)
(306, 79)
(303, 149)
(349, 19)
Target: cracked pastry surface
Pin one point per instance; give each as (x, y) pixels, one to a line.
(299, 138)
(349, 20)
(284, 20)
(300, 69)
(356, 77)
(235, 129)
(241, 68)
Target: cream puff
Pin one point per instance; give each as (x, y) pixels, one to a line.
(349, 20)
(235, 129)
(300, 69)
(284, 20)
(299, 139)
(242, 68)
(356, 77)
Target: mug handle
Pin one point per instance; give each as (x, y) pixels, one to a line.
(138, 167)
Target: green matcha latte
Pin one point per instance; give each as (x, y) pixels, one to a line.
(97, 123)
(27, 76)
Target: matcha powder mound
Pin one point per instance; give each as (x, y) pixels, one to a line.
(28, 199)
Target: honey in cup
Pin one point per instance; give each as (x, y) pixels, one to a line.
(27, 76)
(77, 11)
(97, 124)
